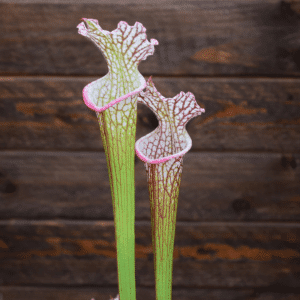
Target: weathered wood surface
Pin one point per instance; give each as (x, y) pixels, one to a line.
(215, 186)
(30, 293)
(195, 38)
(205, 255)
(243, 175)
(241, 114)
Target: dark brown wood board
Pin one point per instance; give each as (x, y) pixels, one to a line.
(238, 230)
(29, 293)
(207, 37)
(215, 186)
(249, 114)
(206, 255)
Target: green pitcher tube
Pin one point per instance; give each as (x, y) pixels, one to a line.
(162, 150)
(114, 98)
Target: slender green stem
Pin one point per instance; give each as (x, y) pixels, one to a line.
(118, 134)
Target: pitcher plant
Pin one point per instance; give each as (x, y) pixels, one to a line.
(114, 99)
(162, 150)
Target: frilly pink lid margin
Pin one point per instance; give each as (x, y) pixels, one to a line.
(89, 103)
(165, 158)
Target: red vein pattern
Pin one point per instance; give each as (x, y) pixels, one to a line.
(114, 98)
(123, 49)
(170, 139)
(162, 151)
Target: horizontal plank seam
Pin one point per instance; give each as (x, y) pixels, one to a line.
(193, 150)
(87, 152)
(55, 222)
(57, 151)
(269, 289)
(147, 221)
(100, 2)
(7, 77)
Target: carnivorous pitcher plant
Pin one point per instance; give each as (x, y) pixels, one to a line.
(114, 98)
(162, 150)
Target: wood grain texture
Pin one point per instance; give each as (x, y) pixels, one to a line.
(215, 186)
(207, 255)
(196, 37)
(241, 114)
(30, 293)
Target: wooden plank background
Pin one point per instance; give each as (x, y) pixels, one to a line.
(196, 38)
(68, 185)
(238, 230)
(241, 114)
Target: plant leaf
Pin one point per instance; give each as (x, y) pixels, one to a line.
(114, 98)
(170, 139)
(123, 49)
(162, 151)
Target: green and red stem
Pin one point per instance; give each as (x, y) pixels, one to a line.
(162, 151)
(163, 202)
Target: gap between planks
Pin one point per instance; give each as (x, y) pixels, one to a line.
(108, 223)
(9, 77)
